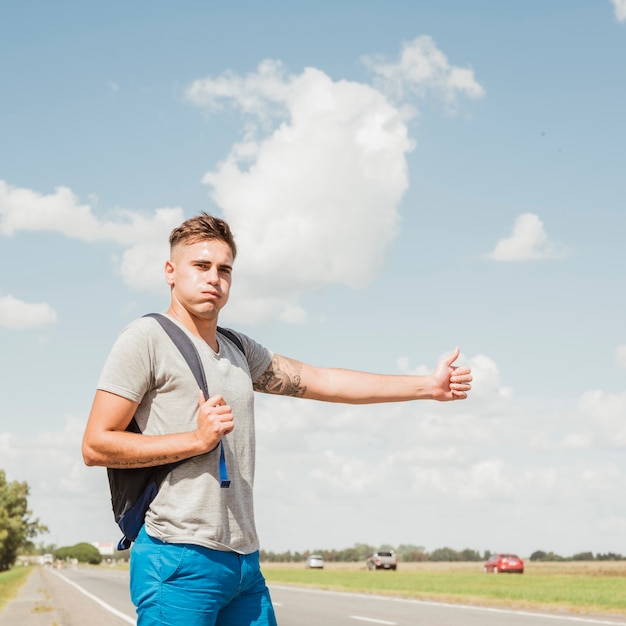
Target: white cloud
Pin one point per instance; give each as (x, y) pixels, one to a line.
(262, 93)
(486, 383)
(620, 10)
(23, 209)
(144, 237)
(620, 356)
(596, 424)
(577, 441)
(18, 315)
(313, 198)
(528, 242)
(423, 68)
(604, 415)
(293, 314)
(68, 497)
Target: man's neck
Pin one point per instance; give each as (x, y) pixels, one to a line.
(204, 328)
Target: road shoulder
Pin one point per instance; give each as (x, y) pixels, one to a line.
(33, 605)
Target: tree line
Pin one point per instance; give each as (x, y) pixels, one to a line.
(410, 553)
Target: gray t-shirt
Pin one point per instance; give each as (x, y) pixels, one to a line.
(146, 367)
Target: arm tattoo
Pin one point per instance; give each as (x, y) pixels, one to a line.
(153, 462)
(282, 377)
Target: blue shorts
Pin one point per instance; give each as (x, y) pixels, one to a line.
(182, 584)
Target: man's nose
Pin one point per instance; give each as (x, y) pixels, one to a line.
(212, 276)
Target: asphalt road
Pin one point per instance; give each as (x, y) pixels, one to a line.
(309, 607)
(99, 597)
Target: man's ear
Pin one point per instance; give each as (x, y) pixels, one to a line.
(169, 272)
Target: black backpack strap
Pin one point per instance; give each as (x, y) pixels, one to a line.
(186, 347)
(191, 356)
(233, 337)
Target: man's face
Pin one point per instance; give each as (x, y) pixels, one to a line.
(200, 275)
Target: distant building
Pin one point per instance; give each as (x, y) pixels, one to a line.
(106, 548)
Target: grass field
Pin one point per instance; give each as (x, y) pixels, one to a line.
(10, 582)
(584, 588)
(594, 587)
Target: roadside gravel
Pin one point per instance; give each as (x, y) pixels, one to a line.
(46, 600)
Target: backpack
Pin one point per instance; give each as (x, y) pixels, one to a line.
(132, 490)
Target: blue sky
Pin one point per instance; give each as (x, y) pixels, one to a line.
(402, 178)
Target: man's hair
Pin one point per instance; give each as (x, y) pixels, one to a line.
(203, 227)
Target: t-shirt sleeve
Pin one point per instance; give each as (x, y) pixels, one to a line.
(258, 356)
(128, 370)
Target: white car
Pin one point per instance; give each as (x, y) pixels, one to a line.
(383, 559)
(315, 561)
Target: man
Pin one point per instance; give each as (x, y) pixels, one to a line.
(195, 561)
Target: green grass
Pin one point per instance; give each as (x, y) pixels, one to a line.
(581, 591)
(10, 583)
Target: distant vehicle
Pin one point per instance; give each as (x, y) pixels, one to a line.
(383, 559)
(47, 559)
(315, 561)
(504, 563)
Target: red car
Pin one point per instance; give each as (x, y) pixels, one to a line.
(504, 563)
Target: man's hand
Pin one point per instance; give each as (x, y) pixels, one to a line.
(449, 381)
(215, 420)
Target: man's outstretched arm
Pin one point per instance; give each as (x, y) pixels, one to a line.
(287, 377)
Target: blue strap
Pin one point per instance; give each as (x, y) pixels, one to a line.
(224, 480)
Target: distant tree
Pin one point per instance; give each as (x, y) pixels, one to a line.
(411, 553)
(16, 526)
(328, 555)
(45, 548)
(82, 552)
(362, 551)
(540, 555)
(583, 556)
(609, 556)
(119, 555)
(358, 552)
(469, 555)
(444, 554)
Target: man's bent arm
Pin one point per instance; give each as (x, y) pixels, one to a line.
(106, 442)
(287, 377)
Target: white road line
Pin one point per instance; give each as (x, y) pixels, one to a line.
(104, 605)
(468, 607)
(372, 621)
